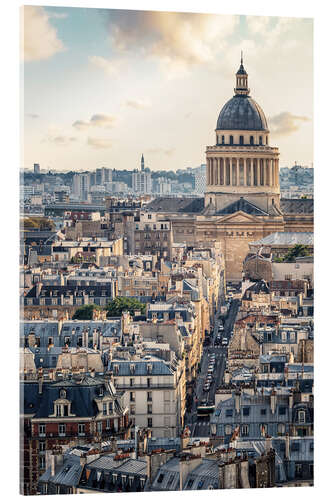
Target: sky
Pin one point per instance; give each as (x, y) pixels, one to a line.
(101, 87)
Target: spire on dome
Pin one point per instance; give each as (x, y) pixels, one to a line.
(142, 162)
(241, 80)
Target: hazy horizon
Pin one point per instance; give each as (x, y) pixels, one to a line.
(103, 86)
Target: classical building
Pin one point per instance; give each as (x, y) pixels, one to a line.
(242, 199)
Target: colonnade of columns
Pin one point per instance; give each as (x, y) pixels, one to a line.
(242, 172)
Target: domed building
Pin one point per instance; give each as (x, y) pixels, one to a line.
(242, 164)
(242, 199)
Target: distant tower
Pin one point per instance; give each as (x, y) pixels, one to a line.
(36, 168)
(142, 163)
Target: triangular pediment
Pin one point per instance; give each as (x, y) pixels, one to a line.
(238, 217)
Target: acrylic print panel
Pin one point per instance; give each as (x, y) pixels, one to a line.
(166, 267)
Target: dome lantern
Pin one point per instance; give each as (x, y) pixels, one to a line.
(241, 80)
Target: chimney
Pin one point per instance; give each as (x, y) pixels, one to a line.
(186, 465)
(291, 400)
(237, 400)
(287, 446)
(38, 288)
(40, 384)
(148, 460)
(273, 401)
(268, 444)
(227, 377)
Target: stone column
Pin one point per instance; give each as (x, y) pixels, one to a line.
(271, 166)
(252, 168)
(218, 171)
(277, 172)
(264, 172)
(208, 171)
(237, 171)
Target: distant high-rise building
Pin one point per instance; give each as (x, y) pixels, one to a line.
(81, 185)
(141, 180)
(200, 179)
(103, 175)
(36, 168)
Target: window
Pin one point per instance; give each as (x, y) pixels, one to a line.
(62, 429)
(132, 409)
(42, 429)
(50, 340)
(149, 422)
(58, 410)
(81, 429)
(241, 139)
(263, 411)
(246, 411)
(282, 410)
(260, 140)
(132, 396)
(149, 396)
(301, 417)
(150, 409)
(110, 408)
(42, 446)
(222, 139)
(99, 426)
(229, 413)
(108, 424)
(245, 430)
(104, 409)
(231, 139)
(281, 429)
(251, 140)
(263, 429)
(228, 429)
(65, 410)
(42, 462)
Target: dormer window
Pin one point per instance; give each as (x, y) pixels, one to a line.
(63, 394)
(301, 417)
(116, 369)
(132, 369)
(101, 391)
(241, 140)
(231, 140)
(149, 368)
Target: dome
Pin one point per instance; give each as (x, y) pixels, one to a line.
(241, 112)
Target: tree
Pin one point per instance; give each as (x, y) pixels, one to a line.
(120, 304)
(85, 312)
(296, 251)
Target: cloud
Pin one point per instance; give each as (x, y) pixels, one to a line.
(59, 140)
(32, 115)
(97, 120)
(111, 67)
(286, 123)
(57, 15)
(177, 40)
(40, 38)
(99, 143)
(137, 104)
(166, 152)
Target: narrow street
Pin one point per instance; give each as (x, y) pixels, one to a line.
(200, 426)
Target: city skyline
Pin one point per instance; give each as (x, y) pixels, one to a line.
(174, 60)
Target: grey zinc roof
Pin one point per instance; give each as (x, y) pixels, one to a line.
(204, 476)
(297, 206)
(241, 113)
(133, 466)
(158, 367)
(180, 205)
(286, 238)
